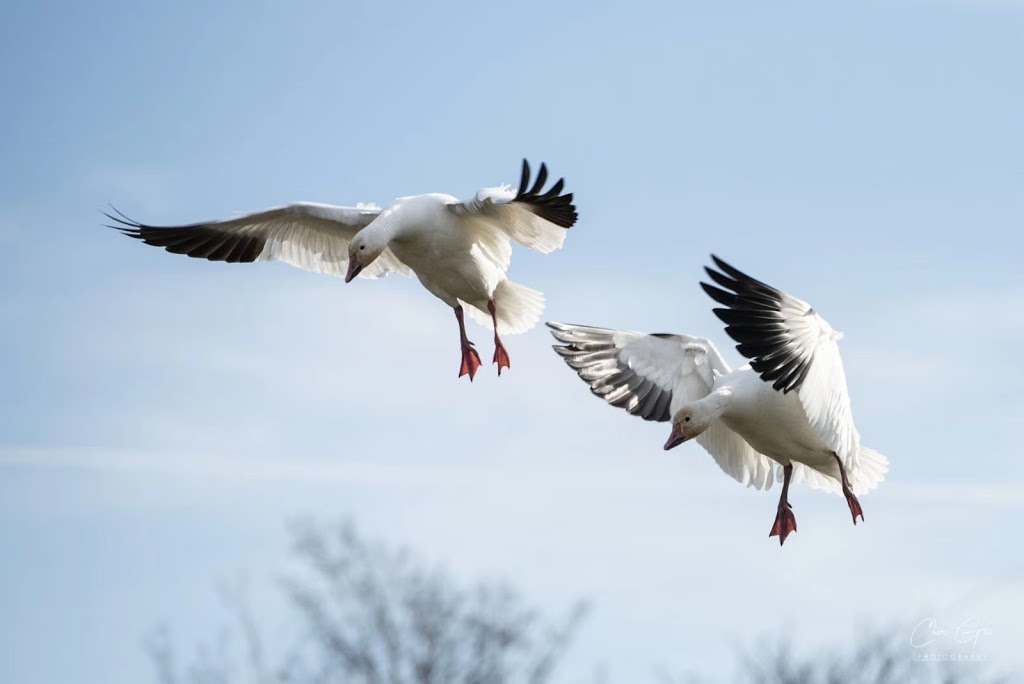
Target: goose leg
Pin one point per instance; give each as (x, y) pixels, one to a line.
(470, 359)
(851, 500)
(500, 355)
(785, 521)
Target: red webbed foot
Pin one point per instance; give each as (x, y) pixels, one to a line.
(785, 522)
(470, 362)
(501, 356)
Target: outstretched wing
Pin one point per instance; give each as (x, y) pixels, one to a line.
(791, 347)
(313, 237)
(652, 376)
(532, 217)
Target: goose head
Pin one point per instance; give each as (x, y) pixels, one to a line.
(694, 418)
(364, 249)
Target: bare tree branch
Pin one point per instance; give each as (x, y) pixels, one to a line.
(881, 657)
(370, 614)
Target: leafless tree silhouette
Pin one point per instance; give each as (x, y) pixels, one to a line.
(876, 659)
(883, 657)
(370, 614)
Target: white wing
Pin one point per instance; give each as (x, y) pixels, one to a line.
(313, 237)
(652, 376)
(534, 219)
(793, 348)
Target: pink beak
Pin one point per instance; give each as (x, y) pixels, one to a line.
(674, 440)
(354, 267)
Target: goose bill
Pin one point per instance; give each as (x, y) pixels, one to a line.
(674, 440)
(354, 267)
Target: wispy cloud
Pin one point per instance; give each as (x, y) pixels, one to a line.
(526, 474)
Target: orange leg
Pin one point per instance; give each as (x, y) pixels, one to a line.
(851, 500)
(785, 521)
(500, 354)
(470, 359)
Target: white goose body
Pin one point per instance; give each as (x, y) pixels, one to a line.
(459, 250)
(771, 422)
(445, 256)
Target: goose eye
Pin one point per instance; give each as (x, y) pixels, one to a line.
(362, 247)
(687, 419)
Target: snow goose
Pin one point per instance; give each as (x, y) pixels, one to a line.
(459, 250)
(790, 404)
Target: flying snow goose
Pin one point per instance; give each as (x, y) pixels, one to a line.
(789, 405)
(459, 250)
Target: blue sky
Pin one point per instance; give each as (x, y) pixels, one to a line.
(163, 418)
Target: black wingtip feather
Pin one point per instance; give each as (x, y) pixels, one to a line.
(200, 241)
(550, 205)
(731, 270)
(720, 296)
(744, 281)
(723, 280)
(542, 178)
(524, 178)
(799, 379)
(123, 223)
(754, 318)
